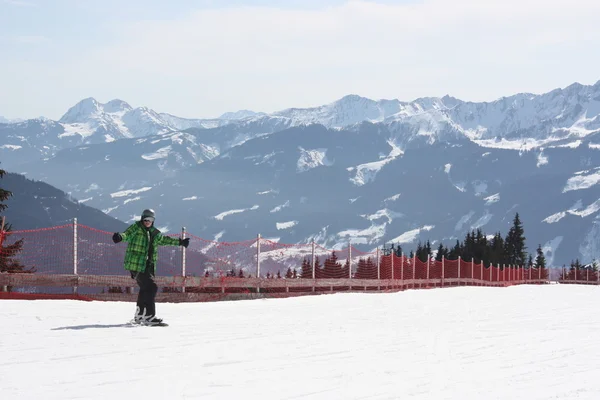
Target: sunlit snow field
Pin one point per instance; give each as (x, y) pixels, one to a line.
(521, 342)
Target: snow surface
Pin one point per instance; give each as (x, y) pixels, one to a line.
(366, 172)
(582, 181)
(310, 159)
(286, 225)
(521, 342)
(11, 147)
(222, 215)
(412, 235)
(124, 193)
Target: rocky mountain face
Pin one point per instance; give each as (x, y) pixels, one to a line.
(357, 170)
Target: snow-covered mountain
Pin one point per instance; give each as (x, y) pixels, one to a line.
(357, 169)
(4, 120)
(241, 114)
(113, 120)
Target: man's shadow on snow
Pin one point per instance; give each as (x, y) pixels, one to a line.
(79, 327)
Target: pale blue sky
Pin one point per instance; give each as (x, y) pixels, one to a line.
(199, 59)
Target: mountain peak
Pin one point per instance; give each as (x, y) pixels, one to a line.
(82, 110)
(240, 114)
(116, 105)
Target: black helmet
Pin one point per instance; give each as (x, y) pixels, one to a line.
(148, 213)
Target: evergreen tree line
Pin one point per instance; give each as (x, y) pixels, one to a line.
(497, 250)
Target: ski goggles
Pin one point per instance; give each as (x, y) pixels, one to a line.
(148, 219)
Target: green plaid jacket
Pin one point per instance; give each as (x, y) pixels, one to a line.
(138, 239)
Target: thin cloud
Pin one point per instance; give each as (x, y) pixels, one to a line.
(215, 60)
(19, 3)
(27, 39)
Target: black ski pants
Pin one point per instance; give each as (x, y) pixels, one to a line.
(147, 294)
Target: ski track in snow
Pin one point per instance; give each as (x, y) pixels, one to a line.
(520, 342)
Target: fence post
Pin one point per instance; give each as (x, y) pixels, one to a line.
(428, 270)
(349, 260)
(5, 287)
(443, 270)
(378, 270)
(183, 260)
(392, 258)
(258, 261)
(473, 269)
(414, 269)
(313, 264)
(402, 270)
(74, 251)
(458, 282)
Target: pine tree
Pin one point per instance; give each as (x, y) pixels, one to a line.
(480, 246)
(289, 274)
(371, 269)
(306, 271)
(419, 251)
(318, 269)
(441, 252)
(514, 245)
(466, 251)
(398, 251)
(8, 252)
(540, 259)
(361, 269)
(346, 269)
(455, 252)
(331, 268)
(495, 250)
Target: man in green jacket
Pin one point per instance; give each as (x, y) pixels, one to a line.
(140, 260)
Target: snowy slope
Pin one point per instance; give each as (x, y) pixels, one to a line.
(468, 343)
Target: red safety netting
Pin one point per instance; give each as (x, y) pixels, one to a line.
(44, 251)
(580, 275)
(86, 261)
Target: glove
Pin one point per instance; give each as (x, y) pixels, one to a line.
(117, 237)
(184, 242)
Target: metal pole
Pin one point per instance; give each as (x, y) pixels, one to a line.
(258, 261)
(402, 270)
(473, 268)
(183, 260)
(349, 260)
(414, 269)
(392, 258)
(443, 270)
(5, 287)
(74, 251)
(313, 260)
(378, 270)
(481, 276)
(313, 264)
